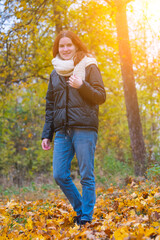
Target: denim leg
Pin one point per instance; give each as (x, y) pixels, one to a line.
(84, 144)
(62, 157)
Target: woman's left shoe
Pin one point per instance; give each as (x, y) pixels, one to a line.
(77, 219)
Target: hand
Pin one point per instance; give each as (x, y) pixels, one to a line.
(75, 82)
(46, 144)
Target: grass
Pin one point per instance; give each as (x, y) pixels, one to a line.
(31, 191)
(112, 171)
(109, 172)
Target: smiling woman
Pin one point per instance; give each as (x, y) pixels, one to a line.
(74, 94)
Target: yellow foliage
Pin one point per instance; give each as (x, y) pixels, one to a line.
(117, 216)
(121, 233)
(29, 224)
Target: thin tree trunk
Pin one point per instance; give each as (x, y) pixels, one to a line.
(134, 122)
(57, 17)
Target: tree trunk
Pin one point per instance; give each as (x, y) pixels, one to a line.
(134, 122)
(57, 17)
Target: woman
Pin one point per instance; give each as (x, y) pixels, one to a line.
(74, 92)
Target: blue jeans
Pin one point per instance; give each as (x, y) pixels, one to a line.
(83, 143)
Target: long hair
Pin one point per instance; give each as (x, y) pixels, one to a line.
(81, 48)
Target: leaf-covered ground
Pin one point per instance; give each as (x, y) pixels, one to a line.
(131, 213)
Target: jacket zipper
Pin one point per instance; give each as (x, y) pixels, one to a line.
(67, 90)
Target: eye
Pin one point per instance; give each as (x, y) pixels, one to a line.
(69, 44)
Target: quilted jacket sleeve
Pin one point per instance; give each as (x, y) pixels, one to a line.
(92, 89)
(48, 128)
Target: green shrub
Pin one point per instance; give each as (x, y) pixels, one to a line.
(111, 169)
(153, 172)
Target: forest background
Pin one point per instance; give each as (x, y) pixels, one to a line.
(28, 29)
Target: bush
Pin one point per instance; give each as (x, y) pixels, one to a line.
(153, 172)
(111, 169)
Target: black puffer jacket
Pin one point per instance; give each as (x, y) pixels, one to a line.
(70, 107)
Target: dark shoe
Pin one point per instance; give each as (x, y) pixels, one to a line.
(77, 219)
(83, 222)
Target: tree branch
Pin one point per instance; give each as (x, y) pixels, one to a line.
(118, 3)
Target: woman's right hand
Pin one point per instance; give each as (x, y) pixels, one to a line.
(46, 144)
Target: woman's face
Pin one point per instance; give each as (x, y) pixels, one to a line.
(66, 48)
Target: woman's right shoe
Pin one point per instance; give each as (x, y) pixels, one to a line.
(83, 222)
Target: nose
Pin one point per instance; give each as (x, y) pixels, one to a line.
(65, 48)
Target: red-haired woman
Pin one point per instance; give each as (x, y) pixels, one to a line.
(74, 94)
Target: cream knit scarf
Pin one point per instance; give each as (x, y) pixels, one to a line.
(66, 67)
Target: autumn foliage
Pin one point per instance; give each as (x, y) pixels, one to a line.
(28, 29)
(131, 213)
